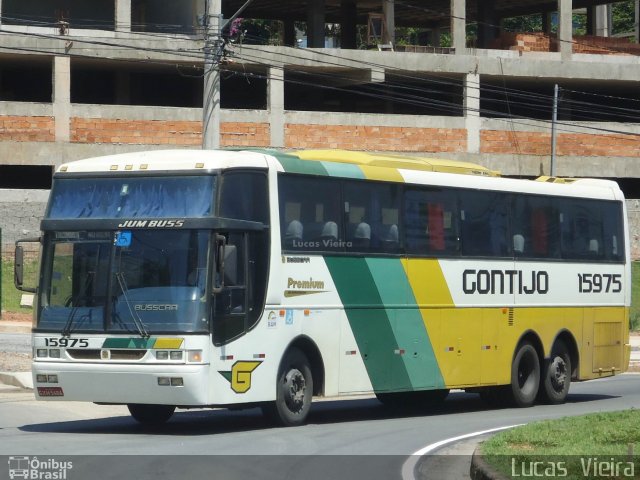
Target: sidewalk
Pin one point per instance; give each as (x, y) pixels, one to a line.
(12, 323)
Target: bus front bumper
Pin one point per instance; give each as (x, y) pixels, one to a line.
(182, 385)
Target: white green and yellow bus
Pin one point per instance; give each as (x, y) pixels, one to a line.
(183, 279)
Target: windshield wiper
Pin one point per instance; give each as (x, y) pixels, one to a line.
(66, 331)
(136, 319)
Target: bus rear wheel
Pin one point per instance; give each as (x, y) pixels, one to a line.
(557, 376)
(151, 414)
(294, 390)
(525, 376)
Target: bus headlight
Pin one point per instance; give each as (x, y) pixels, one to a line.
(175, 355)
(194, 356)
(162, 355)
(42, 353)
(54, 353)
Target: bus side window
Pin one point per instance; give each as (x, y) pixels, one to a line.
(309, 213)
(372, 211)
(484, 224)
(244, 196)
(431, 222)
(583, 229)
(537, 220)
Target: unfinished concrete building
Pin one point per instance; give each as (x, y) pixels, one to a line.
(80, 78)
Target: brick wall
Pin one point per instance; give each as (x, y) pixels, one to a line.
(244, 134)
(399, 139)
(541, 42)
(534, 143)
(164, 132)
(26, 129)
(144, 132)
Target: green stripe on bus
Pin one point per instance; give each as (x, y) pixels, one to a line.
(293, 164)
(369, 322)
(407, 324)
(345, 170)
(128, 342)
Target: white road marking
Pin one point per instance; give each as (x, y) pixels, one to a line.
(409, 466)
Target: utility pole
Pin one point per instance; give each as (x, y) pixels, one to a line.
(554, 121)
(211, 94)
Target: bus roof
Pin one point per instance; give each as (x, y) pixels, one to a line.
(397, 161)
(166, 160)
(342, 163)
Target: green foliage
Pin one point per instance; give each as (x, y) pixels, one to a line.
(623, 17)
(634, 313)
(526, 23)
(10, 295)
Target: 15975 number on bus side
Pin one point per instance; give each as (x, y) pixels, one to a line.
(599, 282)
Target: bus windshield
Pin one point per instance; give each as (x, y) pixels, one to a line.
(132, 197)
(108, 281)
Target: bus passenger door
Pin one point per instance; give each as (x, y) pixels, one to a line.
(241, 277)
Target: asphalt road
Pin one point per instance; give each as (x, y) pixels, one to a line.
(15, 342)
(344, 439)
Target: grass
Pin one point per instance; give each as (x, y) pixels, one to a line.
(634, 313)
(572, 440)
(10, 295)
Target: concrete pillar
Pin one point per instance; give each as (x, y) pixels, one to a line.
(591, 20)
(636, 22)
(458, 26)
(290, 33)
(471, 86)
(62, 97)
(123, 88)
(275, 104)
(434, 35)
(315, 23)
(123, 15)
(603, 20)
(565, 29)
(546, 22)
(348, 24)
(487, 23)
(388, 10)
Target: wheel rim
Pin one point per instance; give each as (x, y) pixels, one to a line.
(295, 389)
(526, 374)
(558, 374)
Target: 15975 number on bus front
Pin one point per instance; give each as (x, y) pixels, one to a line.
(599, 282)
(66, 342)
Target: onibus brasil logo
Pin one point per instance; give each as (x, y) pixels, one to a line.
(36, 469)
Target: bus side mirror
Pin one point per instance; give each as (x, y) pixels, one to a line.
(218, 277)
(18, 266)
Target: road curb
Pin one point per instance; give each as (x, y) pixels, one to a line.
(481, 470)
(17, 379)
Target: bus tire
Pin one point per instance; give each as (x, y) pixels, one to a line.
(151, 414)
(525, 376)
(294, 390)
(556, 378)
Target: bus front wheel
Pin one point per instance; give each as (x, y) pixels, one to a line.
(525, 376)
(151, 414)
(557, 376)
(294, 390)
